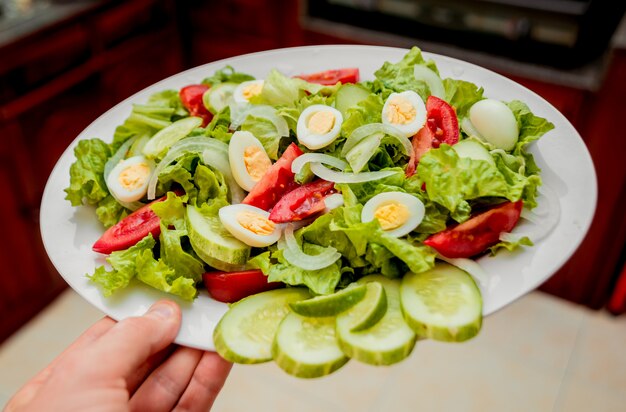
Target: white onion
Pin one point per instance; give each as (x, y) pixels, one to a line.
(540, 222)
(431, 78)
(299, 162)
(294, 255)
(219, 162)
(369, 129)
(332, 202)
(325, 173)
(470, 266)
(239, 112)
(180, 148)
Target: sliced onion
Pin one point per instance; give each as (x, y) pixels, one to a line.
(189, 145)
(369, 129)
(469, 129)
(300, 161)
(470, 266)
(540, 222)
(294, 255)
(432, 79)
(220, 162)
(333, 202)
(325, 173)
(240, 111)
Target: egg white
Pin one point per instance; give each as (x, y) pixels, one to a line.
(239, 142)
(411, 128)
(228, 217)
(125, 194)
(311, 139)
(413, 204)
(495, 123)
(238, 93)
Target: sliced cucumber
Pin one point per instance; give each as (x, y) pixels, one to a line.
(246, 332)
(219, 96)
(166, 137)
(432, 79)
(371, 309)
(443, 303)
(306, 347)
(390, 340)
(349, 95)
(213, 243)
(360, 154)
(330, 305)
(473, 150)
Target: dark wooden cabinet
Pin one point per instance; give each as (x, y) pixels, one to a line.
(54, 83)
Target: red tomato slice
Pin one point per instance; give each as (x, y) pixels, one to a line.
(191, 97)
(442, 121)
(442, 126)
(331, 77)
(302, 202)
(130, 230)
(277, 181)
(233, 286)
(478, 233)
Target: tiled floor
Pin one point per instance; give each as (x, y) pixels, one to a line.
(538, 354)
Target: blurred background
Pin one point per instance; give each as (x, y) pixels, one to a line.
(65, 62)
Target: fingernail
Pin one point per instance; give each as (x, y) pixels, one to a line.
(161, 310)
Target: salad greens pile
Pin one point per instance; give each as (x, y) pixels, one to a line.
(451, 187)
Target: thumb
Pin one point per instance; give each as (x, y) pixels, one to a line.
(132, 341)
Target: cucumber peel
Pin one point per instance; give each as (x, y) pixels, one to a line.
(330, 305)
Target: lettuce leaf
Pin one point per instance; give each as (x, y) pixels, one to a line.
(226, 74)
(366, 111)
(452, 181)
(399, 77)
(159, 275)
(110, 212)
(280, 90)
(265, 131)
(124, 264)
(462, 95)
(87, 173)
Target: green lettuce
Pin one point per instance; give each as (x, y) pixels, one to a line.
(399, 77)
(452, 181)
(462, 95)
(110, 212)
(265, 131)
(159, 275)
(124, 264)
(87, 173)
(226, 74)
(366, 111)
(280, 90)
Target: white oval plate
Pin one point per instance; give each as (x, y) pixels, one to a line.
(567, 170)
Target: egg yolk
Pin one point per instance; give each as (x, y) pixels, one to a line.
(133, 177)
(321, 122)
(255, 223)
(252, 90)
(256, 162)
(391, 215)
(400, 111)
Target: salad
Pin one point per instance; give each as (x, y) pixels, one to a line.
(320, 182)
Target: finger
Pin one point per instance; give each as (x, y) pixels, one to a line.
(138, 376)
(29, 390)
(127, 345)
(206, 383)
(164, 386)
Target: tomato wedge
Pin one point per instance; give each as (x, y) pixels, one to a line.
(478, 233)
(278, 180)
(191, 98)
(231, 287)
(302, 202)
(442, 126)
(331, 77)
(130, 230)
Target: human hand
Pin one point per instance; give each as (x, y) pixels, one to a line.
(130, 365)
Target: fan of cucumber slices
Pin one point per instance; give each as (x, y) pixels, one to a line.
(341, 218)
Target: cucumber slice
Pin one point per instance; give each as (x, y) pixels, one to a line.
(360, 154)
(307, 347)
(390, 340)
(473, 150)
(219, 96)
(246, 332)
(371, 309)
(432, 79)
(166, 137)
(443, 303)
(213, 243)
(349, 95)
(330, 305)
